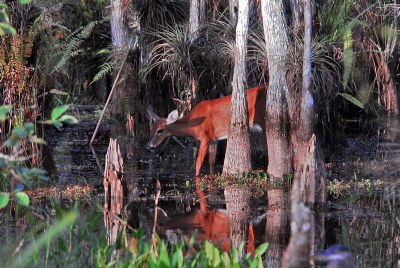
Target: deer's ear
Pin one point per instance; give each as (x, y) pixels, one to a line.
(172, 117)
(152, 117)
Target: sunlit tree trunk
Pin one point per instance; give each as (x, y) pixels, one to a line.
(119, 36)
(194, 19)
(233, 10)
(130, 97)
(238, 157)
(303, 140)
(277, 117)
(190, 83)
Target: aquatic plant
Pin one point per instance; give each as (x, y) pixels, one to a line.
(61, 244)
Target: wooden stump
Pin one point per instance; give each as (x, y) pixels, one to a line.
(114, 183)
(312, 176)
(298, 251)
(114, 188)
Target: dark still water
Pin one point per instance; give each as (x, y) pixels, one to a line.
(362, 212)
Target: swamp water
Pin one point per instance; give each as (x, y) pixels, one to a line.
(362, 211)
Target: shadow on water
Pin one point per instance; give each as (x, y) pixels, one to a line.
(363, 216)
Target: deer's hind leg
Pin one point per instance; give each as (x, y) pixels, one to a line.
(204, 144)
(212, 152)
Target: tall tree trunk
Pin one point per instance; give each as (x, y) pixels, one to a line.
(238, 156)
(233, 10)
(119, 36)
(190, 83)
(306, 155)
(277, 117)
(194, 19)
(203, 10)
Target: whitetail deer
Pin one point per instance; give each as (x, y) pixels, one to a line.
(207, 122)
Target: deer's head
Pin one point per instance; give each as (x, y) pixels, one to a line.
(158, 130)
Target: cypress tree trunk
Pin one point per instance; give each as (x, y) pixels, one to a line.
(277, 117)
(119, 36)
(238, 157)
(194, 19)
(233, 10)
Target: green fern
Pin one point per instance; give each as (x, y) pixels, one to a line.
(72, 45)
(105, 69)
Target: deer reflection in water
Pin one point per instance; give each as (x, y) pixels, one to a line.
(223, 227)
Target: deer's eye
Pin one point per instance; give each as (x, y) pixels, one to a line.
(159, 131)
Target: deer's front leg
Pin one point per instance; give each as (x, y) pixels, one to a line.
(212, 152)
(202, 153)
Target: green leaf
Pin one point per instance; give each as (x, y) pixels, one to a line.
(24, 1)
(103, 51)
(4, 110)
(261, 249)
(9, 29)
(58, 111)
(208, 249)
(11, 142)
(352, 99)
(30, 128)
(4, 198)
(225, 259)
(163, 257)
(37, 140)
(216, 257)
(24, 256)
(22, 198)
(69, 119)
(119, 242)
(20, 132)
(348, 55)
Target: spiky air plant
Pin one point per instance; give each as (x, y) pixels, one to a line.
(173, 53)
(257, 54)
(158, 14)
(326, 77)
(222, 33)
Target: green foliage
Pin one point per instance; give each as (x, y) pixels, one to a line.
(14, 163)
(256, 181)
(72, 46)
(30, 255)
(5, 26)
(105, 69)
(338, 24)
(353, 100)
(60, 244)
(4, 198)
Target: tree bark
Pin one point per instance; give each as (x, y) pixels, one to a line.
(277, 117)
(297, 252)
(233, 10)
(194, 19)
(114, 188)
(238, 155)
(119, 36)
